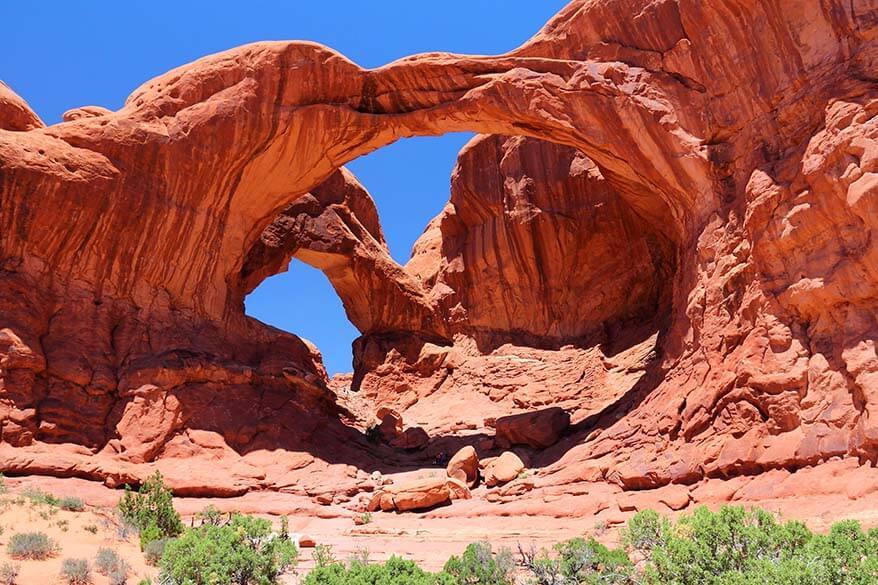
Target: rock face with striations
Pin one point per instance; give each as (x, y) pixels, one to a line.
(669, 229)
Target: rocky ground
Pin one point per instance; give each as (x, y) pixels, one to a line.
(529, 517)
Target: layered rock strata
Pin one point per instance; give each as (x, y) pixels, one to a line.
(668, 230)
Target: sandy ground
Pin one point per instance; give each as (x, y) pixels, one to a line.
(428, 538)
(78, 535)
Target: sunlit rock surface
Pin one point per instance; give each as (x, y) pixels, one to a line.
(667, 228)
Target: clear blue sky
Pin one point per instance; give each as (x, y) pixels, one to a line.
(60, 55)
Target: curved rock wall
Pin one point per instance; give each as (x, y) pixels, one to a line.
(537, 246)
(728, 146)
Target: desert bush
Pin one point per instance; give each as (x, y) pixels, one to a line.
(106, 560)
(588, 561)
(76, 571)
(243, 552)
(579, 561)
(151, 510)
(545, 570)
(733, 546)
(478, 565)
(119, 574)
(645, 531)
(360, 555)
(31, 545)
(3, 487)
(154, 551)
(736, 546)
(115, 568)
(71, 504)
(323, 555)
(211, 515)
(395, 571)
(38, 496)
(9, 574)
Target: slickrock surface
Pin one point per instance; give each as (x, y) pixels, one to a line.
(668, 228)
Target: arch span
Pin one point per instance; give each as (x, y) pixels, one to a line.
(229, 140)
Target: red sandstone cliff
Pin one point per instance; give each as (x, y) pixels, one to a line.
(670, 231)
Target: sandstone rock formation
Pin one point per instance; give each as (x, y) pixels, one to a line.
(669, 229)
(539, 429)
(418, 495)
(502, 469)
(464, 466)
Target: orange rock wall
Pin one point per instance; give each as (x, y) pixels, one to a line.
(729, 147)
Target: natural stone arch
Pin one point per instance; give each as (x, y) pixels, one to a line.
(679, 102)
(324, 111)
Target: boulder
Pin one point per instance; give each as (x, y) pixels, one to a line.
(466, 463)
(458, 489)
(390, 426)
(503, 469)
(413, 439)
(420, 494)
(538, 429)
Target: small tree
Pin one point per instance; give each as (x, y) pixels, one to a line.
(151, 510)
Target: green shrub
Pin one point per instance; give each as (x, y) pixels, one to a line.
(9, 574)
(588, 561)
(210, 515)
(151, 511)
(395, 571)
(38, 496)
(31, 545)
(544, 569)
(3, 488)
(93, 528)
(242, 551)
(580, 561)
(323, 556)
(645, 531)
(71, 504)
(76, 571)
(479, 566)
(736, 546)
